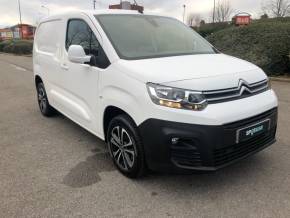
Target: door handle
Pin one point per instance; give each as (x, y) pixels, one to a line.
(64, 66)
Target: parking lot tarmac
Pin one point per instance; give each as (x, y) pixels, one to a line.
(51, 167)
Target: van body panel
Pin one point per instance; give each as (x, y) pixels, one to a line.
(168, 69)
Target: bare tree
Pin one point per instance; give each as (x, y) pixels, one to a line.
(193, 19)
(264, 16)
(190, 19)
(202, 23)
(223, 11)
(278, 8)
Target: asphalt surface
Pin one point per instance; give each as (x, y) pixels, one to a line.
(51, 167)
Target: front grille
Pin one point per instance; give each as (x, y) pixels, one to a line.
(254, 119)
(243, 90)
(185, 154)
(228, 154)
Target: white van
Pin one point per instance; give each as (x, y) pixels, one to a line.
(160, 95)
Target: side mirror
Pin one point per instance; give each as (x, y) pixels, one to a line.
(76, 54)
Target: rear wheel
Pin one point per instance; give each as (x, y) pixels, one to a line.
(43, 103)
(125, 147)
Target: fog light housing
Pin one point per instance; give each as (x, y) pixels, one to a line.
(174, 141)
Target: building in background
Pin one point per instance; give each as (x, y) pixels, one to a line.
(6, 34)
(126, 5)
(19, 31)
(23, 31)
(242, 19)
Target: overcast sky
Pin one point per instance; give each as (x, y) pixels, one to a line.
(32, 10)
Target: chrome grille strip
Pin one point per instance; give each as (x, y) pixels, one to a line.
(236, 88)
(243, 90)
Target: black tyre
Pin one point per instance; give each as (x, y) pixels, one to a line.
(43, 103)
(125, 147)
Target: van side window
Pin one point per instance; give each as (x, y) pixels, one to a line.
(48, 42)
(79, 33)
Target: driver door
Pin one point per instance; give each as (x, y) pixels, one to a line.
(80, 85)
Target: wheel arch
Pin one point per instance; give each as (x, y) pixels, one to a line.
(110, 113)
(37, 80)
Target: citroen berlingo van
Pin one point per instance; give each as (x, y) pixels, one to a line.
(156, 92)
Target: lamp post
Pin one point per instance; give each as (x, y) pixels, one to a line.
(94, 1)
(20, 19)
(213, 15)
(184, 8)
(46, 9)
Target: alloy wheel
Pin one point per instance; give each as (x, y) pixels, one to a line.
(42, 100)
(122, 148)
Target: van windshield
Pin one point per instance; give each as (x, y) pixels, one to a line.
(144, 36)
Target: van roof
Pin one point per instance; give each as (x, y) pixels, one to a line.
(94, 12)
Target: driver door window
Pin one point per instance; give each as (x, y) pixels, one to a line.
(79, 33)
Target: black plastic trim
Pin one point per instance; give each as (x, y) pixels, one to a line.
(198, 146)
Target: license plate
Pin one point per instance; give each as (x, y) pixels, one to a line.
(249, 132)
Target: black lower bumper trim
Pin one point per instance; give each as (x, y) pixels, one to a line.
(171, 146)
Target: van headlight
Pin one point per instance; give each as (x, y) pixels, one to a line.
(176, 98)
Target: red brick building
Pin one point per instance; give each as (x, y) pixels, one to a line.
(23, 31)
(6, 34)
(242, 19)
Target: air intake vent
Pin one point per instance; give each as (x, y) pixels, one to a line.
(185, 154)
(236, 151)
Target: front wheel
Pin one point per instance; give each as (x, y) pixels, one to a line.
(125, 147)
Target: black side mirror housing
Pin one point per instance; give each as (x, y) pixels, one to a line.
(100, 60)
(93, 61)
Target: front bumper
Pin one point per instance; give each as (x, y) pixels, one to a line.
(201, 147)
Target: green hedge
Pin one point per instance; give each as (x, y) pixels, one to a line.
(208, 29)
(273, 20)
(16, 46)
(3, 44)
(267, 44)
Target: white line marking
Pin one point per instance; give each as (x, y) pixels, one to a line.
(17, 67)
